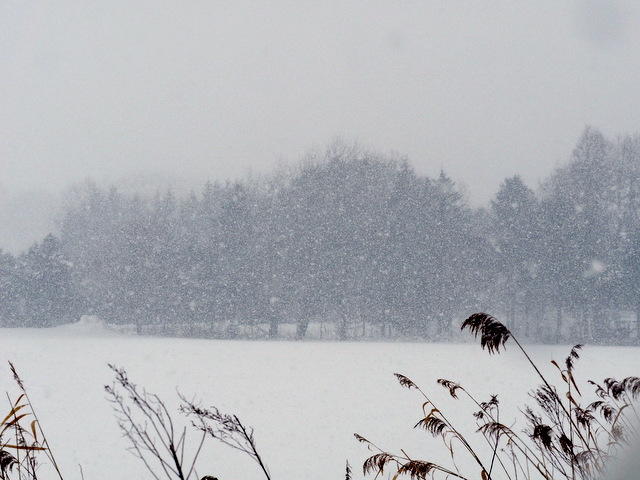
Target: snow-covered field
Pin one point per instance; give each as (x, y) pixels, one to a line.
(305, 399)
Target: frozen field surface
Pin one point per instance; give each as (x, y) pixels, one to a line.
(304, 399)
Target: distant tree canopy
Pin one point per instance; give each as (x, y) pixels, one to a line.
(353, 238)
(36, 289)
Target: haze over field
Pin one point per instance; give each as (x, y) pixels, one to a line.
(175, 93)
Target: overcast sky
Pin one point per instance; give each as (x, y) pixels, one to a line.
(196, 89)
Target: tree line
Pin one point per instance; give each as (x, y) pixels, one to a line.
(353, 239)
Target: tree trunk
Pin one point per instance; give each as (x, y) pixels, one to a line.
(301, 328)
(273, 326)
(638, 323)
(558, 323)
(342, 327)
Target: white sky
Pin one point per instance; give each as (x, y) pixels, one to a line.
(196, 89)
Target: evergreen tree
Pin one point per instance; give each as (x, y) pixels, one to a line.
(50, 298)
(516, 230)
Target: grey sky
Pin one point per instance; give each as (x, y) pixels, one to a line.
(211, 89)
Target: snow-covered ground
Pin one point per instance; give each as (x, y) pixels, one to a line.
(305, 399)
